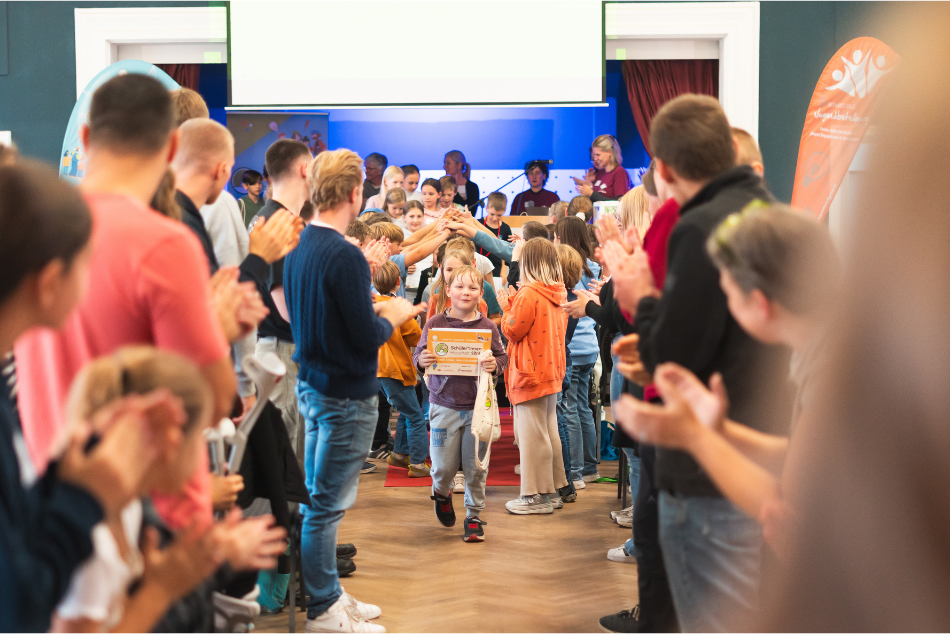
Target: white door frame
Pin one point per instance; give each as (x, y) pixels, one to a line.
(735, 25)
(100, 31)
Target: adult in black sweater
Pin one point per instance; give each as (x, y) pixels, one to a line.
(690, 324)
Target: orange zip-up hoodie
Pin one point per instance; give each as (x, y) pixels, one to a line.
(395, 356)
(535, 326)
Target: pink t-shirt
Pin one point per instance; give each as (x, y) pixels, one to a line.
(148, 284)
(612, 184)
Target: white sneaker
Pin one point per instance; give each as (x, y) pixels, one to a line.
(627, 511)
(557, 502)
(579, 484)
(591, 478)
(619, 554)
(625, 521)
(366, 610)
(458, 484)
(530, 505)
(342, 617)
(517, 469)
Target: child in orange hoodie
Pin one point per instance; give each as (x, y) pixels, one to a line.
(397, 376)
(536, 326)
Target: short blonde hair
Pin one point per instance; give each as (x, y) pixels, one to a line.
(463, 245)
(607, 143)
(202, 144)
(448, 181)
(387, 278)
(334, 174)
(188, 104)
(388, 230)
(571, 264)
(539, 262)
(749, 152)
(635, 210)
(559, 210)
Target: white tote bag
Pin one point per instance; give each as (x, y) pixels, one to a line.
(486, 424)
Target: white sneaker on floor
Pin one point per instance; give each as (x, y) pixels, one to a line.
(626, 521)
(557, 502)
(342, 617)
(579, 484)
(591, 478)
(530, 505)
(627, 511)
(458, 484)
(366, 610)
(517, 469)
(620, 554)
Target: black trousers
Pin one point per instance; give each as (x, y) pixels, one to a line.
(656, 603)
(382, 437)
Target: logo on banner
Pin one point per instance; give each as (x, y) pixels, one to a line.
(838, 117)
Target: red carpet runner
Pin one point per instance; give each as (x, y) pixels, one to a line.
(501, 468)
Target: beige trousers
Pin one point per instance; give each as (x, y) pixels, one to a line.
(542, 464)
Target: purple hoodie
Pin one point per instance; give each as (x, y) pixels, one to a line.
(458, 392)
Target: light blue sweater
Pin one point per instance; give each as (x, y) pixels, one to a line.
(583, 345)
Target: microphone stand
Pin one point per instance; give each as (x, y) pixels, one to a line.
(481, 201)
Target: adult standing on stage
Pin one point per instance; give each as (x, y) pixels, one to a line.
(537, 196)
(607, 179)
(467, 192)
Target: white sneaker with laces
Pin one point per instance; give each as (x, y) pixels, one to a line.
(458, 484)
(530, 505)
(579, 484)
(367, 610)
(627, 511)
(626, 521)
(591, 478)
(557, 502)
(620, 554)
(342, 617)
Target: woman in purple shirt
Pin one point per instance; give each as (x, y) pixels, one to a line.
(607, 180)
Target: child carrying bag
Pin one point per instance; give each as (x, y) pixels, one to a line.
(486, 423)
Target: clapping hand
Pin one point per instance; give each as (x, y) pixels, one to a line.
(273, 238)
(631, 275)
(376, 253)
(628, 361)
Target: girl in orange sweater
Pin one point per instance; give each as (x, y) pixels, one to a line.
(535, 326)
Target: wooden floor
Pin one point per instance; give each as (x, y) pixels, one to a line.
(538, 573)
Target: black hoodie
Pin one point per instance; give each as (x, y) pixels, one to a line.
(690, 324)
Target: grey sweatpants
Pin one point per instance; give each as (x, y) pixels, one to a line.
(451, 443)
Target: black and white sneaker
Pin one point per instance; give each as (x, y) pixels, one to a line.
(623, 622)
(473, 530)
(444, 510)
(381, 453)
(368, 467)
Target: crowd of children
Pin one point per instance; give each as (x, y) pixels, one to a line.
(133, 303)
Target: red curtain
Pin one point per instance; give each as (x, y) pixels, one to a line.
(651, 83)
(185, 74)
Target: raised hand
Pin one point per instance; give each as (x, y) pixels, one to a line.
(631, 274)
(376, 253)
(711, 405)
(273, 238)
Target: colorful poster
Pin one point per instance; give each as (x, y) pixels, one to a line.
(457, 350)
(72, 164)
(837, 119)
(254, 132)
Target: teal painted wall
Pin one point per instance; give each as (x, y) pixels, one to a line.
(39, 92)
(797, 39)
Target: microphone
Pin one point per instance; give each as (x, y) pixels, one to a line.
(548, 161)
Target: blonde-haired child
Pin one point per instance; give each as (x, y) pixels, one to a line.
(397, 376)
(535, 327)
(449, 189)
(393, 178)
(452, 400)
(97, 598)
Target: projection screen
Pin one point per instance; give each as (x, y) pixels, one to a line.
(329, 53)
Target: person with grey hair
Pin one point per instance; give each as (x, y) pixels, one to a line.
(374, 164)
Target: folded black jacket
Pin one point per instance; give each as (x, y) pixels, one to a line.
(690, 324)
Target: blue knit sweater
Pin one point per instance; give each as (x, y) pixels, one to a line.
(327, 287)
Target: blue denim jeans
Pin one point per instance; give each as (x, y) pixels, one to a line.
(411, 435)
(712, 552)
(339, 433)
(453, 445)
(425, 398)
(634, 463)
(581, 426)
(564, 433)
(616, 379)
